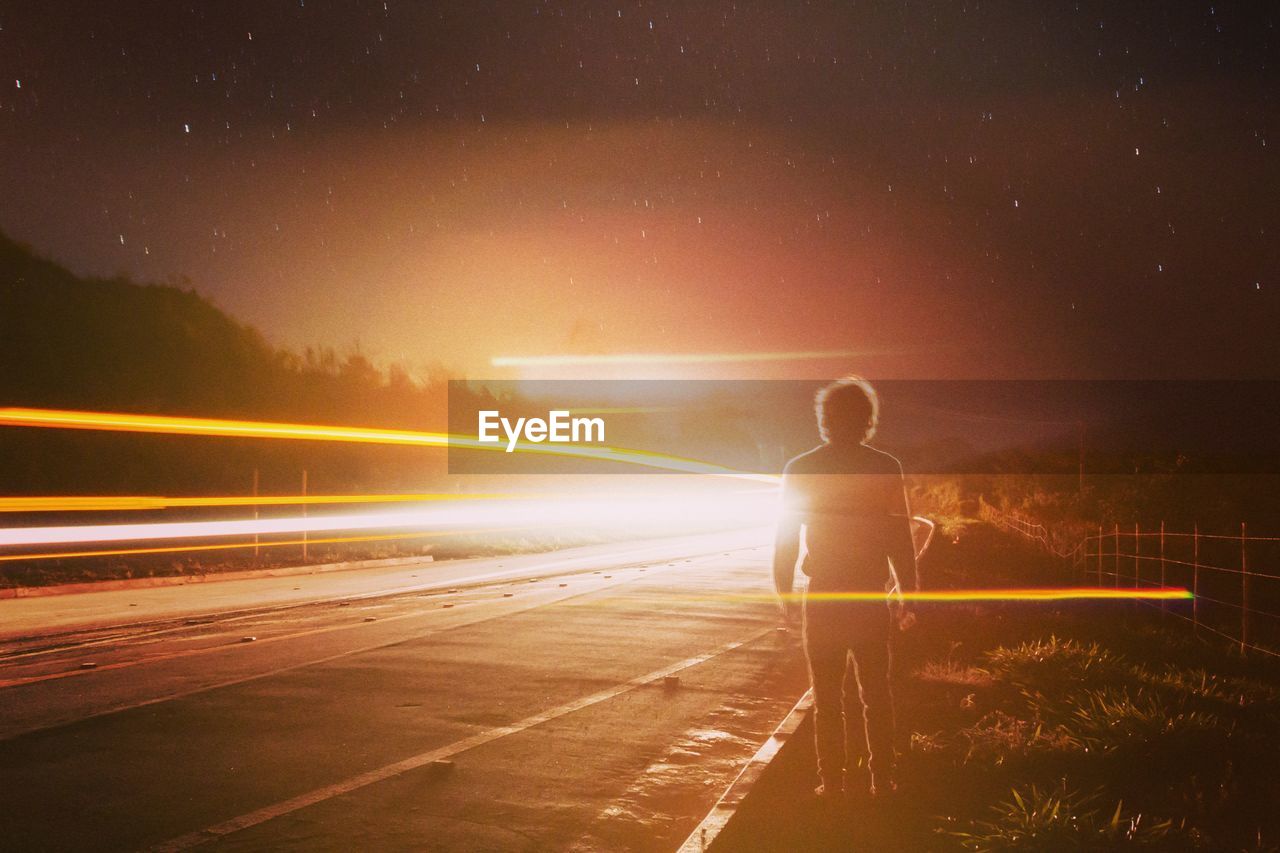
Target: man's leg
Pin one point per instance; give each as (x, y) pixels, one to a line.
(826, 672)
(872, 662)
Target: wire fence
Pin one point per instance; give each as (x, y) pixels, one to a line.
(1233, 578)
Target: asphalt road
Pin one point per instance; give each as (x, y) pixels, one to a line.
(591, 699)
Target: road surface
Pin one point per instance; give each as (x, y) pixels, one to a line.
(592, 699)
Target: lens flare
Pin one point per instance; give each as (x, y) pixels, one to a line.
(666, 358)
(114, 503)
(1013, 594)
(231, 546)
(666, 510)
(167, 425)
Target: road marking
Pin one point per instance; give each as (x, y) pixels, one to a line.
(466, 622)
(22, 681)
(346, 786)
(228, 645)
(560, 566)
(473, 617)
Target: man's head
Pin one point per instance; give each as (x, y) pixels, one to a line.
(847, 410)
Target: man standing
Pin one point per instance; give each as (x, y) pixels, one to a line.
(849, 500)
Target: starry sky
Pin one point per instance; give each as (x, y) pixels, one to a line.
(945, 189)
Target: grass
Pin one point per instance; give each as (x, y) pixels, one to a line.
(1000, 736)
(951, 673)
(1045, 718)
(1078, 727)
(1053, 661)
(1112, 717)
(1200, 683)
(1035, 819)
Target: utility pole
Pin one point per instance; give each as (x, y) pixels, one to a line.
(255, 515)
(304, 514)
(1080, 457)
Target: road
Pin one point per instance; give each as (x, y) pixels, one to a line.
(593, 698)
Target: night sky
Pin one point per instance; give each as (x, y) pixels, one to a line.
(995, 189)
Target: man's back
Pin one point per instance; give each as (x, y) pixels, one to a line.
(850, 500)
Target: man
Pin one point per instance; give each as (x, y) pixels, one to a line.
(849, 500)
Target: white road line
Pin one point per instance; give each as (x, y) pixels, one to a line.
(557, 566)
(217, 621)
(302, 801)
(727, 806)
(22, 681)
(520, 607)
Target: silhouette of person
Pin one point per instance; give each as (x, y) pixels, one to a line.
(848, 501)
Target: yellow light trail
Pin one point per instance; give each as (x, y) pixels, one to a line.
(229, 546)
(119, 422)
(624, 410)
(85, 533)
(493, 512)
(112, 503)
(1013, 594)
(666, 358)
(169, 425)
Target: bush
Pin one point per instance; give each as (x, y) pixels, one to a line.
(1066, 820)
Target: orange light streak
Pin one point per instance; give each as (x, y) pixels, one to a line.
(117, 422)
(85, 533)
(228, 546)
(666, 358)
(112, 503)
(1013, 594)
(167, 425)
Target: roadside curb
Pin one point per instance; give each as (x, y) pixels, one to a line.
(211, 577)
(704, 835)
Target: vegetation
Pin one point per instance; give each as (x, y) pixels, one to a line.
(116, 345)
(1067, 820)
(1108, 733)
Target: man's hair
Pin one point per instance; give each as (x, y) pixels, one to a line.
(848, 410)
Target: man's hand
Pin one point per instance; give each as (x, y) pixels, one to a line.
(906, 618)
(789, 610)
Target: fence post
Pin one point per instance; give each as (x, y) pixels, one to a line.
(1195, 578)
(1137, 550)
(1116, 535)
(1244, 588)
(255, 515)
(1164, 603)
(304, 514)
(1099, 555)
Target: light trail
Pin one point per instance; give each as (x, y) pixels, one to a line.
(35, 536)
(231, 546)
(669, 510)
(113, 503)
(625, 410)
(1008, 594)
(167, 425)
(666, 358)
(163, 424)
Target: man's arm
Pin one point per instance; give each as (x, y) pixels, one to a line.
(786, 548)
(902, 547)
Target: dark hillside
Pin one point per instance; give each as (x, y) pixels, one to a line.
(117, 345)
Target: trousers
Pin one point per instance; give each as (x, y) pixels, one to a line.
(849, 666)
